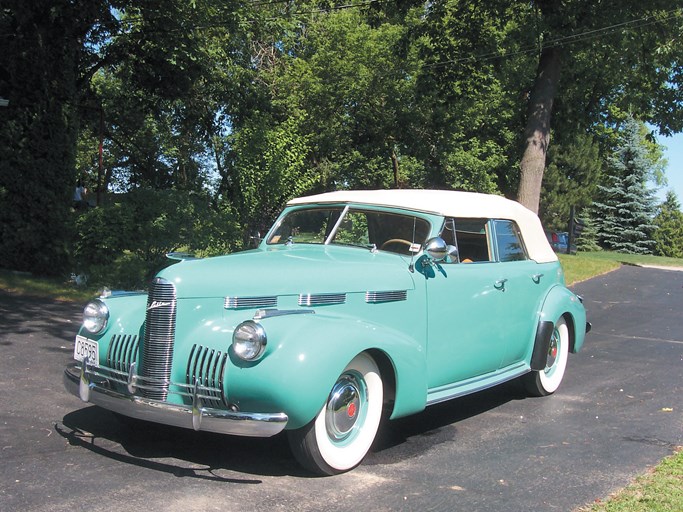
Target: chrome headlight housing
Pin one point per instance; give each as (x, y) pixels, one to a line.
(95, 316)
(249, 340)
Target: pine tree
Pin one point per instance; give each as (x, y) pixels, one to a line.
(587, 240)
(669, 233)
(625, 206)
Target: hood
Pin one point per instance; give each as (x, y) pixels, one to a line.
(290, 271)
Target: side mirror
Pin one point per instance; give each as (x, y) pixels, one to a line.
(452, 254)
(437, 250)
(255, 239)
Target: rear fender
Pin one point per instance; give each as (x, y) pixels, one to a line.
(559, 302)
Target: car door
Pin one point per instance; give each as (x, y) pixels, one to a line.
(467, 307)
(523, 288)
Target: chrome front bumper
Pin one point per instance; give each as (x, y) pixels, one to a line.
(89, 388)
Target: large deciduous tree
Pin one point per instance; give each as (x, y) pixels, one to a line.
(596, 61)
(253, 102)
(42, 52)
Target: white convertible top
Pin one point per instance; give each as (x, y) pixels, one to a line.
(451, 204)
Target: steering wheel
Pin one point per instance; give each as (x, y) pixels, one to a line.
(396, 241)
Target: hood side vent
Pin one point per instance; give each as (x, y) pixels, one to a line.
(321, 299)
(392, 296)
(249, 302)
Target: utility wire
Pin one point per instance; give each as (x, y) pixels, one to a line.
(630, 25)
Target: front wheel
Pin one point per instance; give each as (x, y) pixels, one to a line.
(339, 437)
(545, 382)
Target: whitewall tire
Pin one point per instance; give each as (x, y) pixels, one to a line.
(339, 437)
(545, 382)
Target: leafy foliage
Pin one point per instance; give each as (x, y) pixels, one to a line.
(38, 131)
(124, 242)
(570, 180)
(249, 104)
(269, 168)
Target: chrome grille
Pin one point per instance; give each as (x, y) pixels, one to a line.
(392, 296)
(250, 302)
(157, 349)
(207, 367)
(123, 350)
(321, 299)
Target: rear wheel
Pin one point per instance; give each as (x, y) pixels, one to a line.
(339, 437)
(545, 382)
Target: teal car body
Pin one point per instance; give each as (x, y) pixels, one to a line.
(356, 304)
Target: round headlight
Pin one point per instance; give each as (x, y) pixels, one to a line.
(249, 340)
(95, 316)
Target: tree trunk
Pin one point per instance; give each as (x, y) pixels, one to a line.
(537, 131)
(394, 164)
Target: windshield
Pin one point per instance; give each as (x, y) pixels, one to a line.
(403, 234)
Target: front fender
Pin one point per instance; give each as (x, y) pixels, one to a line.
(561, 301)
(126, 316)
(306, 353)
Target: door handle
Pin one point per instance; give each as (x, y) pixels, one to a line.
(536, 278)
(500, 284)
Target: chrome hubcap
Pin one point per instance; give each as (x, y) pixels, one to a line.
(345, 406)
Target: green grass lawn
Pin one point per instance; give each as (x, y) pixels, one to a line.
(54, 288)
(584, 265)
(659, 490)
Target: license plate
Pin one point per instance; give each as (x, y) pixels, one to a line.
(85, 347)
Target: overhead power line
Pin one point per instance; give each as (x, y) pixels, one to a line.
(568, 39)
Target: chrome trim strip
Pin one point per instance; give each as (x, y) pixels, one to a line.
(489, 380)
(249, 302)
(268, 313)
(221, 421)
(390, 296)
(321, 299)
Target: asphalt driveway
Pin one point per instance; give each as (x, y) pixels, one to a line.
(619, 411)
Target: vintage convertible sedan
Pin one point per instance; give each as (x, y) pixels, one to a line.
(355, 304)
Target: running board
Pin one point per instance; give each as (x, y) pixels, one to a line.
(480, 383)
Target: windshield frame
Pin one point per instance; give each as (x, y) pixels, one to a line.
(345, 208)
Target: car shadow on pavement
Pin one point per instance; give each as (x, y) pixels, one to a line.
(409, 437)
(178, 451)
(205, 455)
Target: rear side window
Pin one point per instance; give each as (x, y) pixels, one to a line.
(509, 242)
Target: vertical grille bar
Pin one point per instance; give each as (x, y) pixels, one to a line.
(123, 350)
(157, 350)
(206, 366)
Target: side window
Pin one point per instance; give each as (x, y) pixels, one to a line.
(509, 241)
(353, 230)
(401, 234)
(471, 238)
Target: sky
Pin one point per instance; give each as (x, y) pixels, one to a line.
(674, 171)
